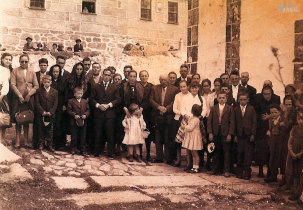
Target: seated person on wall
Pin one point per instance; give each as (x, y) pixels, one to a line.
(29, 45)
(54, 48)
(78, 47)
(39, 47)
(45, 47)
(60, 47)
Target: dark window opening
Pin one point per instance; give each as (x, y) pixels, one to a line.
(89, 6)
(173, 12)
(146, 9)
(37, 4)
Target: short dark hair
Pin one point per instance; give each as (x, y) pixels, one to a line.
(222, 92)
(132, 71)
(78, 89)
(96, 63)
(48, 77)
(116, 75)
(275, 106)
(60, 57)
(224, 74)
(24, 55)
(218, 80)
(172, 72)
(291, 87)
(195, 75)
(143, 71)
(182, 81)
(107, 69)
(86, 59)
(196, 110)
(43, 60)
(206, 80)
(112, 69)
(184, 66)
(194, 84)
(235, 73)
(55, 44)
(243, 93)
(132, 108)
(225, 85)
(127, 66)
(267, 88)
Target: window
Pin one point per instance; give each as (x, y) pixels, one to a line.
(146, 9)
(173, 12)
(89, 6)
(37, 4)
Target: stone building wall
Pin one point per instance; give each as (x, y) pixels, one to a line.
(115, 23)
(263, 24)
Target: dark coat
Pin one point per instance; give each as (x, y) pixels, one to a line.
(252, 94)
(147, 92)
(101, 96)
(46, 102)
(155, 100)
(125, 94)
(76, 108)
(78, 48)
(227, 121)
(246, 125)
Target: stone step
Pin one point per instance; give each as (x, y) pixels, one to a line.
(106, 198)
(70, 182)
(6, 155)
(150, 181)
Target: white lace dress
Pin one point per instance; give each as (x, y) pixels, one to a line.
(133, 128)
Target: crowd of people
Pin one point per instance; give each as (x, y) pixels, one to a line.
(224, 129)
(29, 46)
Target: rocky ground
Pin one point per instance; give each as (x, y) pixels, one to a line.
(32, 179)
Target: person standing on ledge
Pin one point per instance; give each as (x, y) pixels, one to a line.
(78, 47)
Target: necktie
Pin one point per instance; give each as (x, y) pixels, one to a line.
(163, 96)
(105, 85)
(220, 113)
(243, 110)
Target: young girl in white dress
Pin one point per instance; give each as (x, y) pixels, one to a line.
(134, 126)
(193, 137)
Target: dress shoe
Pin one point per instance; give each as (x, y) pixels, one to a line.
(187, 168)
(260, 175)
(41, 147)
(139, 159)
(157, 161)
(51, 149)
(193, 171)
(130, 158)
(176, 164)
(111, 157)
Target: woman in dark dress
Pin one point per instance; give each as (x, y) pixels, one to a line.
(263, 101)
(59, 85)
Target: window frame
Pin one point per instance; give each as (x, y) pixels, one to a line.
(36, 7)
(150, 9)
(174, 13)
(89, 1)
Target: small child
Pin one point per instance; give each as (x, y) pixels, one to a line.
(193, 137)
(221, 126)
(134, 126)
(246, 124)
(46, 103)
(275, 141)
(79, 110)
(295, 157)
(78, 47)
(229, 98)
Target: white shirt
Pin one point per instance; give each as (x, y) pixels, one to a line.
(243, 108)
(47, 89)
(4, 80)
(208, 99)
(235, 90)
(178, 103)
(188, 101)
(221, 107)
(79, 100)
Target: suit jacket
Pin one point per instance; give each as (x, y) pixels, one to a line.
(78, 48)
(125, 94)
(227, 121)
(23, 85)
(246, 125)
(65, 76)
(155, 100)
(46, 102)
(38, 78)
(76, 108)
(101, 96)
(179, 80)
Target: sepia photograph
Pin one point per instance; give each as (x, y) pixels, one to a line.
(151, 104)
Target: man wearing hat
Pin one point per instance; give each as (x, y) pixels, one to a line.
(29, 45)
(78, 46)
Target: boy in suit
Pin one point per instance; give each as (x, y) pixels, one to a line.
(46, 103)
(78, 109)
(221, 126)
(246, 125)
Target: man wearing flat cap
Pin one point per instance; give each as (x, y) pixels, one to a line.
(29, 45)
(78, 46)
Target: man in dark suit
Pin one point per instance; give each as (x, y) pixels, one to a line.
(60, 60)
(104, 97)
(184, 73)
(46, 100)
(251, 90)
(43, 64)
(162, 99)
(246, 125)
(126, 70)
(221, 127)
